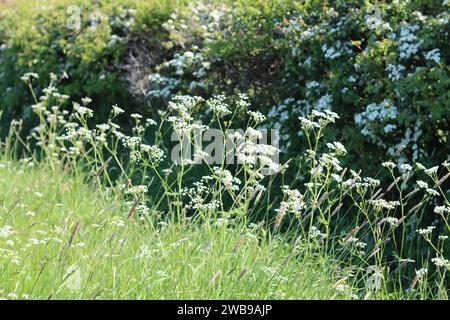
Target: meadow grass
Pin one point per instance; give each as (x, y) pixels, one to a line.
(91, 211)
(60, 240)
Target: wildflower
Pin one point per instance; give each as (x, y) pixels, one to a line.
(243, 103)
(103, 127)
(38, 108)
(83, 111)
(329, 160)
(442, 209)
(308, 124)
(218, 106)
(116, 110)
(311, 185)
(372, 182)
(421, 273)
(446, 164)
(86, 101)
(432, 192)
(388, 164)
(253, 134)
(29, 76)
(427, 231)
(337, 147)
(137, 190)
(6, 231)
(295, 200)
(257, 116)
(420, 166)
(441, 262)
(136, 116)
(380, 204)
(341, 287)
(330, 115)
(200, 155)
(392, 221)
(251, 236)
(315, 233)
(354, 241)
(422, 184)
(226, 178)
(155, 154)
(431, 171)
(336, 177)
(143, 252)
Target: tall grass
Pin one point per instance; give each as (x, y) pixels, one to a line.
(153, 228)
(60, 240)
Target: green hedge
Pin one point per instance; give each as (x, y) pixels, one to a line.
(42, 37)
(383, 68)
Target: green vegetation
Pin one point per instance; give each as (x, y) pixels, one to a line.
(115, 201)
(43, 36)
(60, 240)
(383, 67)
(107, 192)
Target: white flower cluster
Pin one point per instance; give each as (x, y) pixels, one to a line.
(383, 112)
(380, 204)
(218, 106)
(408, 43)
(395, 71)
(154, 153)
(442, 210)
(188, 63)
(384, 116)
(411, 137)
(427, 231)
(336, 50)
(294, 202)
(357, 244)
(316, 234)
(257, 116)
(318, 119)
(279, 117)
(199, 195)
(27, 77)
(433, 55)
(226, 178)
(6, 231)
(441, 262)
(124, 19)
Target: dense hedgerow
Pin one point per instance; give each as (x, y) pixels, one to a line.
(382, 67)
(386, 72)
(35, 37)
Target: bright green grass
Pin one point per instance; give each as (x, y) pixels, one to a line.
(191, 261)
